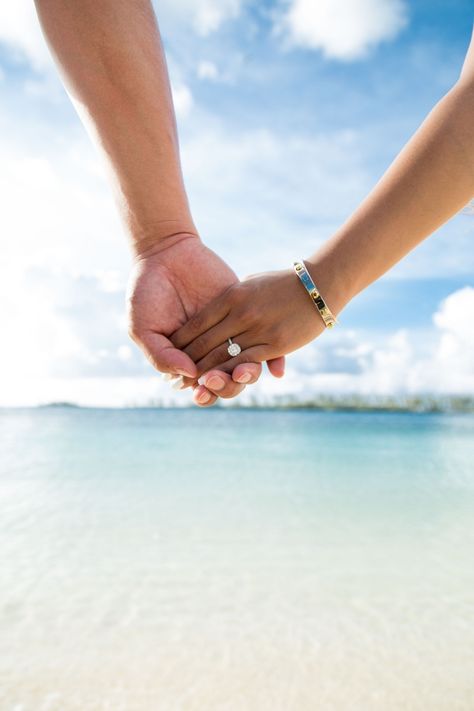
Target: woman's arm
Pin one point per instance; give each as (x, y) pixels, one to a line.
(429, 181)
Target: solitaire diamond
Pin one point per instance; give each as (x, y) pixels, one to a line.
(234, 349)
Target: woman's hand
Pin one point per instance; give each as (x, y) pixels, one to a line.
(268, 315)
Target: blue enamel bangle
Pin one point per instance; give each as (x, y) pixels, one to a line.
(305, 278)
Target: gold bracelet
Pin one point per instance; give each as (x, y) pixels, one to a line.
(305, 278)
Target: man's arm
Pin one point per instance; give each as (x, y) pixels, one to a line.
(111, 57)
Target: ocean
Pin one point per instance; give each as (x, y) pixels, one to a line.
(236, 560)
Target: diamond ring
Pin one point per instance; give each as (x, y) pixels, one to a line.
(233, 349)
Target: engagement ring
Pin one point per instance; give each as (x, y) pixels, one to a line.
(233, 349)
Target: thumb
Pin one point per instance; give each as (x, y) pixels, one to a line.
(276, 366)
(165, 357)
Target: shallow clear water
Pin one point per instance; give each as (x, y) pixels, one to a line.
(236, 561)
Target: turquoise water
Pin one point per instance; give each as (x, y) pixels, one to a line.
(236, 560)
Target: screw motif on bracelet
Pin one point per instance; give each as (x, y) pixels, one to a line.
(305, 278)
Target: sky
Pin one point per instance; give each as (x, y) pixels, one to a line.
(288, 112)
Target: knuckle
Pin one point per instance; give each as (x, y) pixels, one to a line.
(275, 336)
(250, 314)
(199, 345)
(196, 323)
(234, 294)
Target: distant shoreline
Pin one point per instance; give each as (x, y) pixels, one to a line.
(449, 404)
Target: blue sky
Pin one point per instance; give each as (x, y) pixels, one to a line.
(288, 113)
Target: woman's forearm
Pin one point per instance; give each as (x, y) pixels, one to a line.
(430, 180)
(111, 57)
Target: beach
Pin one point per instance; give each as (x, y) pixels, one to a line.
(182, 560)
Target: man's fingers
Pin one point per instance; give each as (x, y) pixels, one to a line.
(164, 356)
(276, 366)
(247, 373)
(201, 322)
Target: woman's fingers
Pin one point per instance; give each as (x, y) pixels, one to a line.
(219, 357)
(211, 339)
(221, 384)
(201, 322)
(276, 366)
(203, 397)
(247, 373)
(213, 385)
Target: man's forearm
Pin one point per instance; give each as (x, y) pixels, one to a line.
(430, 181)
(111, 57)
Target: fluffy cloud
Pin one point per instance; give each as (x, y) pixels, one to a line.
(20, 32)
(207, 70)
(342, 29)
(402, 362)
(269, 189)
(206, 16)
(182, 100)
(56, 205)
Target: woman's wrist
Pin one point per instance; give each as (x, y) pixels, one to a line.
(331, 280)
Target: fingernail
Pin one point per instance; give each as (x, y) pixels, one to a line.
(167, 376)
(244, 378)
(215, 383)
(177, 383)
(186, 373)
(204, 397)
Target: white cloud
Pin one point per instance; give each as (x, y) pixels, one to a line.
(56, 205)
(342, 29)
(205, 16)
(20, 32)
(207, 70)
(269, 189)
(455, 321)
(182, 100)
(403, 362)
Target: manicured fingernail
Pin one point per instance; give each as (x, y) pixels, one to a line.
(244, 378)
(167, 376)
(177, 383)
(215, 383)
(186, 373)
(204, 397)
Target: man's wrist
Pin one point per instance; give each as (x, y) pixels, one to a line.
(162, 236)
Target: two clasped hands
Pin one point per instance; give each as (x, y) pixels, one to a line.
(184, 301)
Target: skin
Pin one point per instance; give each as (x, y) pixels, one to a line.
(111, 58)
(429, 181)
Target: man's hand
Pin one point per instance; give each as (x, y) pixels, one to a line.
(169, 284)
